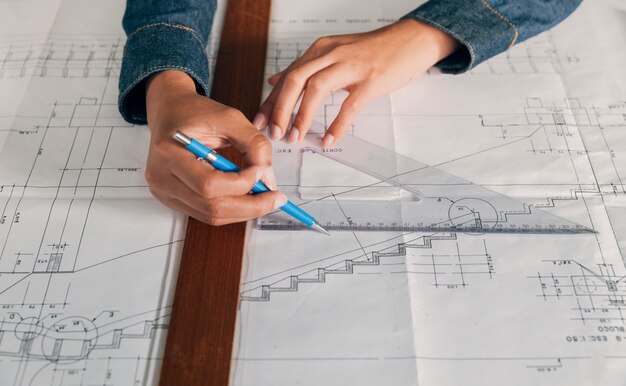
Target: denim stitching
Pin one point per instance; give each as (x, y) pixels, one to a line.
(451, 33)
(176, 26)
(506, 20)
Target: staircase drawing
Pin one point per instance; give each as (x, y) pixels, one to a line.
(575, 194)
(347, 267)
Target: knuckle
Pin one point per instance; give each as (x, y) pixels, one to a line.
(340, 50)
(293, 78)
(300, 121)
(259, 144)
(208, 187)
(209, 220)
(153, 191)
(234, 114)
(316, 84)
(214, 211)
(150, 178)
(219, 222)
(279, 113)
(322, 41)
(350, 106)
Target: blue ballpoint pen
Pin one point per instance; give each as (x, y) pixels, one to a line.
(221, 163)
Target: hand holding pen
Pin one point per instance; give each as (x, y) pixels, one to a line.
(182, 183)
(221, 163)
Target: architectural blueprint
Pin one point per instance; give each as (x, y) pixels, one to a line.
(87, 256)
(543, 123)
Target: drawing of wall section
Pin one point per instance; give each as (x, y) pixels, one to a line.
(54, 183)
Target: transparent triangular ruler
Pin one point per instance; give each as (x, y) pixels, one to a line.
(430, 200)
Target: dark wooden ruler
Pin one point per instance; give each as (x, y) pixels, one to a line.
(202, 326)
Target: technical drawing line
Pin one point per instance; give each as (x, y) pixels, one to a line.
(128, 254)
(80, 241)
(350, 222)
(345, 267)
(2, 291)
(327, 258)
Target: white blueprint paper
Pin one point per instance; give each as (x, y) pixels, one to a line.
(87, 257)
(543, 123)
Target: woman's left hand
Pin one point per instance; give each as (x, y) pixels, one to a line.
(366, 65)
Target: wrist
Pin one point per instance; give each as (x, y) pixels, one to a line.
(163, 89)
(439, 44)
(167, 85)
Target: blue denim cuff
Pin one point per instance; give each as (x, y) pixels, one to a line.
(153, 48)
(481, 29)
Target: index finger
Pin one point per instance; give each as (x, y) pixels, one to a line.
(255, 147)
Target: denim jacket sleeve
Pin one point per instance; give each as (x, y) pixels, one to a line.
(162, 35)
(487, 27)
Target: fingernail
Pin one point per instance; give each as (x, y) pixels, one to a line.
(280, 201)
(269, 178)
(328, 140)
(276, 132)
(259, 121)
(294, 134)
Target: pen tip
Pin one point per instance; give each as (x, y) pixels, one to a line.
(320, 229)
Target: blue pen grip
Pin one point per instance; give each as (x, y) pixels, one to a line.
(221, 163)
(296, 212)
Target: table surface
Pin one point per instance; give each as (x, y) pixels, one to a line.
(202, 327)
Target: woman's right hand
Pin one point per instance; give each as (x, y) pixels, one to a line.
(177, 179)
(366, 65)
